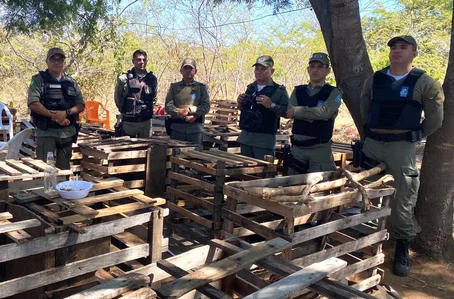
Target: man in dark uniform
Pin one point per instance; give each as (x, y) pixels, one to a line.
(135, 95)
(314, 107)
(55, 102)
(187, 102)
(261, 106)
(392, 103)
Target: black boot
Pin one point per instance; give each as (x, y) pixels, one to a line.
(402, 258)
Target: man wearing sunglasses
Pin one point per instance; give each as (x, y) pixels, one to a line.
(314, 107)
(55, 102)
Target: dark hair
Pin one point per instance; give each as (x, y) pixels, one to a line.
(139, 52)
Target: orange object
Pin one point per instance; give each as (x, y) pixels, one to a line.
(92, 114)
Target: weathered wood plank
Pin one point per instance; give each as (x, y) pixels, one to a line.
(14, 226)
(191, 198)
(20, 165)
(222, 268)
(177, 272)
(5, 216)
(193, 216)
(46, 277)
(4, 168)
(102, 198)
(113, 288)
(191, 181)
(294, 284)
(141, 294)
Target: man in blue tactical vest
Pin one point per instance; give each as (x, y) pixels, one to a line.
(314, 108)
(261, 106)
(135, 94)
(392, 103)
(187, 102)
(55, 102)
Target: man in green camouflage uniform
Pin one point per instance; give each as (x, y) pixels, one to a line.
(55, 102)
(187, 102)
(314, 108)
(261, 106)
(135, 94)
(392, 103)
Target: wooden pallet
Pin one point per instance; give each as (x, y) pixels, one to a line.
(268, 208)
(197, 179)
(141, 163)
(223, 112)
(25, 173)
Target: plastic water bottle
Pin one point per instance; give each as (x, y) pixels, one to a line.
(50, 174)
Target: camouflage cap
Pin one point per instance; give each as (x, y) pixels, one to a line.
(190, 62)
(406, 38)
(320, 57)
(54, 51)
(266, 61)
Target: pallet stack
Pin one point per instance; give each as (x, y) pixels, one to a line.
(68, 245)
(223, 112)
(197, 180)
(141, 163)
(312, 213)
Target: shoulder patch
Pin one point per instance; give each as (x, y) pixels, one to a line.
(338, 99)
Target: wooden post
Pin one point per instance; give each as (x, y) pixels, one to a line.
(218, 197)
(173, 184)
(377, 248)
(231, 206)
(289, 229)
(155, 229)
(155, 171)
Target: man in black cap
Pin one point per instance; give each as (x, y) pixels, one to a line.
(55, 101)
(314, 107)
(392, 103)
(261, 106)
(135, 94)
(187, 102)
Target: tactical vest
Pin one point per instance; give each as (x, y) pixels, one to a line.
(322, 129)
(139, 97)
(57, 95)
(186, 99)
(392, 105)
(256, 118)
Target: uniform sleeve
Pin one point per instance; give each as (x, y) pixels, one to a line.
(79, 97)
(366, 98)
(119, 90)
(170, 103)
(35, 90)
(323, 112)
(281, 102)
(433, 109)
(293, 101)
(204, 106)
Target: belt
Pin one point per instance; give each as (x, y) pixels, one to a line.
(411, 136)
(309, 142)
(135, 119)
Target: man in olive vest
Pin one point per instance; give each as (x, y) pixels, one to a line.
(392, 103)
(187, 102)
(135, 94)
(55, 102)
(314, 108)
(261, 106)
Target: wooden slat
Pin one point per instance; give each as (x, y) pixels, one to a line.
(191, 198)
(194, 165)
(21, 166)
(14, 226)
(114, 287)
(222, 268)
(294, 284)
(5, 216)
(191, 181)
(102, 198)
(141, 294)
(177, 272)
(193, 216)
(8, 170)
(18, 236)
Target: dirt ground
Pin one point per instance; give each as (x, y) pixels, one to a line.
(427, 279)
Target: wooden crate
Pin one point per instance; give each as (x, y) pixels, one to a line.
(25, 173)
(70, 245)
(316, 228)
(197, 180)
(140, 162)
(223, 112)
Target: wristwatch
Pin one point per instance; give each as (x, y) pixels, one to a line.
(273, 105)
(68, 112)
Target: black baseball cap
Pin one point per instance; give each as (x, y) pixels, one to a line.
(406, 38)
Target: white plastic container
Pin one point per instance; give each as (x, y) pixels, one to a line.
(74, 189)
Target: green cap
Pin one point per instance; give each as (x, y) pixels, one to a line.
(320, 57)
(266, 61)
(406, 38)
(190, 62)
(55, 51)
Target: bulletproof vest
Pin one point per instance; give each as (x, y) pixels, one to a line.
(392, 105)
(57, 95)
(185, 97)
(139, 96)
(256, 118)
(322, 129)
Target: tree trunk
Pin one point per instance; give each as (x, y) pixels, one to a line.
(341, 27)
(434, 210)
